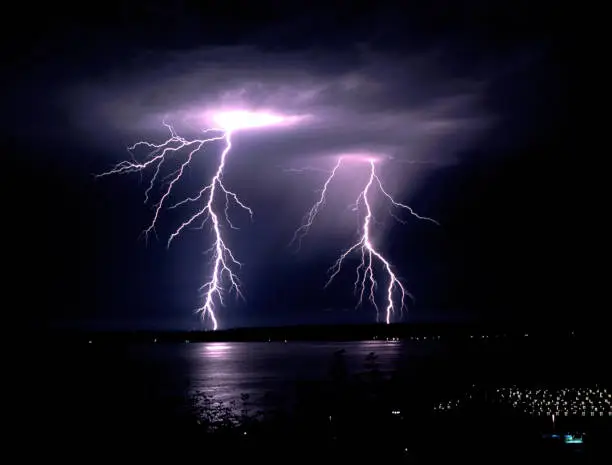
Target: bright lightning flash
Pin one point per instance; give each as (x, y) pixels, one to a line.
(223, 262)
(369, 253)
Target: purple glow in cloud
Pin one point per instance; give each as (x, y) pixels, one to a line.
(406, 106)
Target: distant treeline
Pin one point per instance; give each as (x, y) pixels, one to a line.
(416, 332)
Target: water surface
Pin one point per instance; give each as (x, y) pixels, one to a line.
(227, 370)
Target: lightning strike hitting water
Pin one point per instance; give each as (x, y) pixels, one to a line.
(223, 261)
(369, 253)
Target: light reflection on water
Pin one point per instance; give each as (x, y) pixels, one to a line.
(270, 372)
(226, 370)
(216, 349)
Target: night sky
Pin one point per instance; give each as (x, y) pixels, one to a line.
(471, 106)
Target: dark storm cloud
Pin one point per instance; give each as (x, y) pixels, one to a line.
(404, 107)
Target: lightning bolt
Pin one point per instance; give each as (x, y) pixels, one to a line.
(365, 246)
(223, 261)
(314, 211)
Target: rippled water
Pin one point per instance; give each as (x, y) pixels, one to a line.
(227, 370)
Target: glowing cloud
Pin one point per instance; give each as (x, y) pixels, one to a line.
(232, 120)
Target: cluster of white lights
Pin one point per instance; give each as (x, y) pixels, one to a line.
(449, 405)
(559, 402)
(424, 338)
(592, 402)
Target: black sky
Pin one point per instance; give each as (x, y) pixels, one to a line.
(509, 247)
